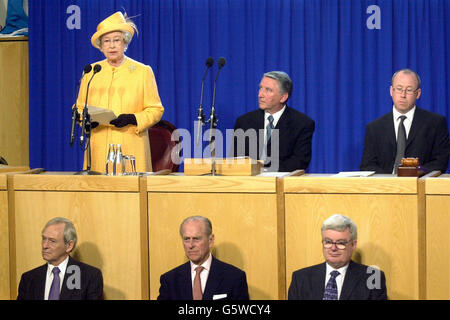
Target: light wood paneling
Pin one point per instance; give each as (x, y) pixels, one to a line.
(438, 237)
(14, 102)
(244, 224)
(108, 224)
(4, 241)
(387, 222)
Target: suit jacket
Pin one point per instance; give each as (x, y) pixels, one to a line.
(223, 279)
(32, 283)
(428, 140)
(309, 284)
(295, 136)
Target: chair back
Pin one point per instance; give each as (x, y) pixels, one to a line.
(161, 146)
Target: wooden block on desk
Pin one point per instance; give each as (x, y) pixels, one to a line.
(407, 172)
(224, 166)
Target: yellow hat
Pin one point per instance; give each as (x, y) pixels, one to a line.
(115, 22)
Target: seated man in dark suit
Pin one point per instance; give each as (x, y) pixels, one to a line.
(62, 277)
(338, 278)
(203, 277)
(275, 133)
(406, 131)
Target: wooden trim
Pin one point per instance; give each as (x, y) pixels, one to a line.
(12, 237)
(281, 240)
(422, 235)
(143, 206)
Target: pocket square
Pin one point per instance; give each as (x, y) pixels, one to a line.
(219, 296)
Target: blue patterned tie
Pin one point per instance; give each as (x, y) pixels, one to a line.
(331, 292)
(55, 288)
(269, 128)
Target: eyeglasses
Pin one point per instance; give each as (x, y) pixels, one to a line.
(408, 91)
(341, 245)
(108, 42)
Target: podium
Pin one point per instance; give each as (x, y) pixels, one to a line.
(109, 215)
(387, 213)
(437, 196)
(4, 239)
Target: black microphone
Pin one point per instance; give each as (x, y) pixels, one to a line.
(200, 117)
(87, 69)
(97, 69)
(220, 62)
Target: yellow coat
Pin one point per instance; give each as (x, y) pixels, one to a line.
(130, 88)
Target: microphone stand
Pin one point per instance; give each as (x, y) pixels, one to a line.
(212, 138)
(88, 149)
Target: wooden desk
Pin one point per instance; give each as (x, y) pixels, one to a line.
(14, 100)
(110, 217)
(247, 223)
(386, 211)
(437, 193)
(4, 240)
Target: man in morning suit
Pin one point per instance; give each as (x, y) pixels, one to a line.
(426, 132)
(288, 147)
(62, 277)
(203, 277)
(338, 278)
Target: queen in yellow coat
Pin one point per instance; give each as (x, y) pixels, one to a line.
(126, 87)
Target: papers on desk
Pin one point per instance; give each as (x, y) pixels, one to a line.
(354, 174)
(101, 115)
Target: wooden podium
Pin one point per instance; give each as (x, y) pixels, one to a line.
(388, 216)
(4, 240)
(437, 195)
(248, 223)
(243, 166)
(111, 221)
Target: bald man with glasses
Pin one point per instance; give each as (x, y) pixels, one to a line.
(406, 132)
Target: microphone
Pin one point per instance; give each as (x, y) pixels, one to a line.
(213, 120)
(97, 69)
(220, 62)
(87, 69)
(200, 117)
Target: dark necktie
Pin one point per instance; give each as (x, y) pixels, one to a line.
(331, 292)
(401, 143)
(269, 128)
(197, 291)
(55, 288)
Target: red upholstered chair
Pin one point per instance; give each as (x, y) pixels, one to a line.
(161, 146)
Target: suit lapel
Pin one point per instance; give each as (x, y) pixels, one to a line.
(318, 282)
(415, 126)
(65, 292)
(39, 289)
(352, 277)
(214, 280)
(184, 282)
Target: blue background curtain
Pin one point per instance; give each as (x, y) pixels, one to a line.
(340, 68)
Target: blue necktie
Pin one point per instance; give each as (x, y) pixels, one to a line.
(331, 292)
(55, 288)
(269, 128)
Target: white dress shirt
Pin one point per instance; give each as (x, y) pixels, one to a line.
(407, 122)
(49, 278)
(204, 274)
(276, 116)
(339, 279)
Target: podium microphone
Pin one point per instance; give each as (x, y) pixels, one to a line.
(220, 62)
(200, 117)
(87, 69)
(97, 69)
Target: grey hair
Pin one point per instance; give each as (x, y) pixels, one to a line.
(70, 234)
(407, 71)
(284, 81)
(338, 222)
(208, 224)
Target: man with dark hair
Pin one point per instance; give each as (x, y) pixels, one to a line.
(275, 133)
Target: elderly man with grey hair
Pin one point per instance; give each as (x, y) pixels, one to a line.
(62, 277)
(203, 277)
(275, 133)
(338, 278)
